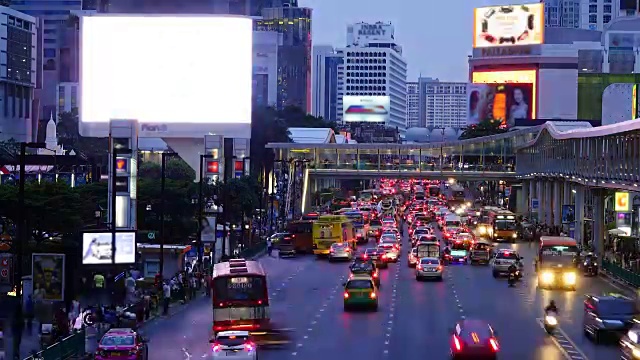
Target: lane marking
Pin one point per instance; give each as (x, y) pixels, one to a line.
(563, 342)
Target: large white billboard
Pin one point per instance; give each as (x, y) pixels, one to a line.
(365, 108)
(508, 25)
(178, 76)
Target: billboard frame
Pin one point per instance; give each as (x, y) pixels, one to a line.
(484, 77)
(113, 255)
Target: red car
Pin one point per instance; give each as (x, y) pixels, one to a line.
(122, 344)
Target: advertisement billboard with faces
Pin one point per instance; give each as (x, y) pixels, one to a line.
(508, 25)
(500, 102)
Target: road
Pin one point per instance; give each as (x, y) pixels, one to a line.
(413, 317)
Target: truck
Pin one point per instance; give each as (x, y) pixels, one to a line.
(480, 253)
(557, 262)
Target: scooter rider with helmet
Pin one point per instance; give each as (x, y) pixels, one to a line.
(551, 307)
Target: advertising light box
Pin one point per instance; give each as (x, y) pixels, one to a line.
(97, 248)
(502, 102)
(508, 25)
(365, 108)
(175, 75)
(527, 77)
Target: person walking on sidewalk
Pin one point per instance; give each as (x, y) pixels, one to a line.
(166, 298)
(269, 247)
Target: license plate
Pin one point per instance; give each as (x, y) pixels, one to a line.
(231, 352)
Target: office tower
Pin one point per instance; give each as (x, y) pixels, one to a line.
(562, 13)
(442, 104)
(324, 82)
(294, 53)
(596, 14)
(374, 66)
(413, 99)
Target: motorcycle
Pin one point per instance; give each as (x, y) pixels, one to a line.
(590, 265)
(550, 322)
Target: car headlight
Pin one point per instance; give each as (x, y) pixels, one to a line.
(514, 235)
(636, 353)
(547, 277)
(569, 278)
(482, 230)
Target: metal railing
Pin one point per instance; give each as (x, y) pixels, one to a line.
(71, 347)
(629, 277)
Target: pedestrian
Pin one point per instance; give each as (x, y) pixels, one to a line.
(269, 247)
(166, 292)
(147, 306)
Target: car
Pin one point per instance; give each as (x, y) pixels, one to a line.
(360, 291)
(474, 339)
(340, 251)
(412, 259)
(429, 268)
(630, 344)
(608, 315)
(377, 256)
(367, 268)
(503, 259)
(388, 237)
(236, 345)
(391, 250)
(122, 343)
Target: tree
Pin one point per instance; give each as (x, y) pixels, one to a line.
(69, 136)
(484, 128)
(176, 169)
(239, 197)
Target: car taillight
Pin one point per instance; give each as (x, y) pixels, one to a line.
(346, 295)
(375, 274)
(440, 268)
(419, 267)
(365, 256)
(133, 352)
(215, 347)
(457, 343)
(249, 346)
(372, 295)
(494, 344)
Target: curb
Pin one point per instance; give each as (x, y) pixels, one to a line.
(615, 281)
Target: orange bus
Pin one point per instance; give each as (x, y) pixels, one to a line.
(239, 296)
(301, 235)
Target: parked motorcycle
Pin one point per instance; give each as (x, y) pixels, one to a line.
(550, 322)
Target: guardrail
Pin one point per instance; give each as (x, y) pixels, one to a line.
(71, 347)
(630, 277)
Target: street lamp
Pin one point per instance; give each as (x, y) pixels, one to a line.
(22, 233)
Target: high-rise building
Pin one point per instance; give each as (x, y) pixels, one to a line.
(374, 66)
(57, 53)
(442, 104)
(324, 82)
(596, 14)
(413, 101)
(19, 47)
(562, 13)
(294, 53)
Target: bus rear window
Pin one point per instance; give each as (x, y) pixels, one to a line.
(239, 288)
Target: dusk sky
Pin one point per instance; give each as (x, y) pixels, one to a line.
(436, 35)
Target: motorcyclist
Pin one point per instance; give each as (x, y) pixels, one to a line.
(513, 269)
(551, 307)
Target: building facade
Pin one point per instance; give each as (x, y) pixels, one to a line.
(374, 66)
(294, 54)
(67, 97)
(324, 82)
(18, 70)
(562, 13)
(442, 104)
(413, 101)
(596, 14)
(265, 67)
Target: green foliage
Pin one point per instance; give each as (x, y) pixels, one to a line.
(239, 197)
(176, 169)
(69, 136)
(484, 128)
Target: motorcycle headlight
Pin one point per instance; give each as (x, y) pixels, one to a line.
(569, 278)
(551, 320)
(547, 277)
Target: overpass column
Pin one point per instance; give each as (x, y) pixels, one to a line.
(532, 195)
(523, 199)
(578, 232)
(598, 222)
(548, 203)
(566, 193)
(557, 204)
(540, 195)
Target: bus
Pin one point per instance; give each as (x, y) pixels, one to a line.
(301, 235)
(339, 203)
(331, 229)
(310, 216)
(556, 262)
(457, 197)
(239, 296)
(503, 225)
(357, 219)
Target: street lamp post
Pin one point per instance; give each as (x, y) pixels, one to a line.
(22, 227)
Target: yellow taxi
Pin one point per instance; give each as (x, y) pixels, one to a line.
(360, 291)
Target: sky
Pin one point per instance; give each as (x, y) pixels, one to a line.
(435, 35)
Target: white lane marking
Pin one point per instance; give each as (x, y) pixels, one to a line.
(391, 313)
(563, 342)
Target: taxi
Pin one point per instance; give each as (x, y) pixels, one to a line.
(360, 291)
(122, 344)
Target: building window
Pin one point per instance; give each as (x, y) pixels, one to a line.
(49, 41)
(74, 97)
(60, 98)
(607, 9)
(606, 18)
(50, 31)
(49, 53)
(593, 18)
(593, 8)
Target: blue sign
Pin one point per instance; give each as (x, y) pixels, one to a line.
(535, 205)
(193, 252)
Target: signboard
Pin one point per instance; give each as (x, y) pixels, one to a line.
(97, 248)
(48, 276)
(6, 272)
(366, 108)
(363, 33)
(507, 51)
(535, 205)
(508, 25)
(622, 203)
(568, 214)
(502, 102)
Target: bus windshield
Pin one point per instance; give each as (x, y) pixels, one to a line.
(559, 251)
(239, 288)
(434, 191)
(356, 218)
(505, 225)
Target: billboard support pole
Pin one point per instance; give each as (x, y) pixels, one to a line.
(114, 169)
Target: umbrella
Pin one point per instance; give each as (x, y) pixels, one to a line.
(617, 232)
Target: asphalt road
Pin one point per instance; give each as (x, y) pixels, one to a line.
(413, 317)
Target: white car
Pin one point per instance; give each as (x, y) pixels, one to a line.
(503, 259)
(235, 345)
(429, 268)
(340, 251)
